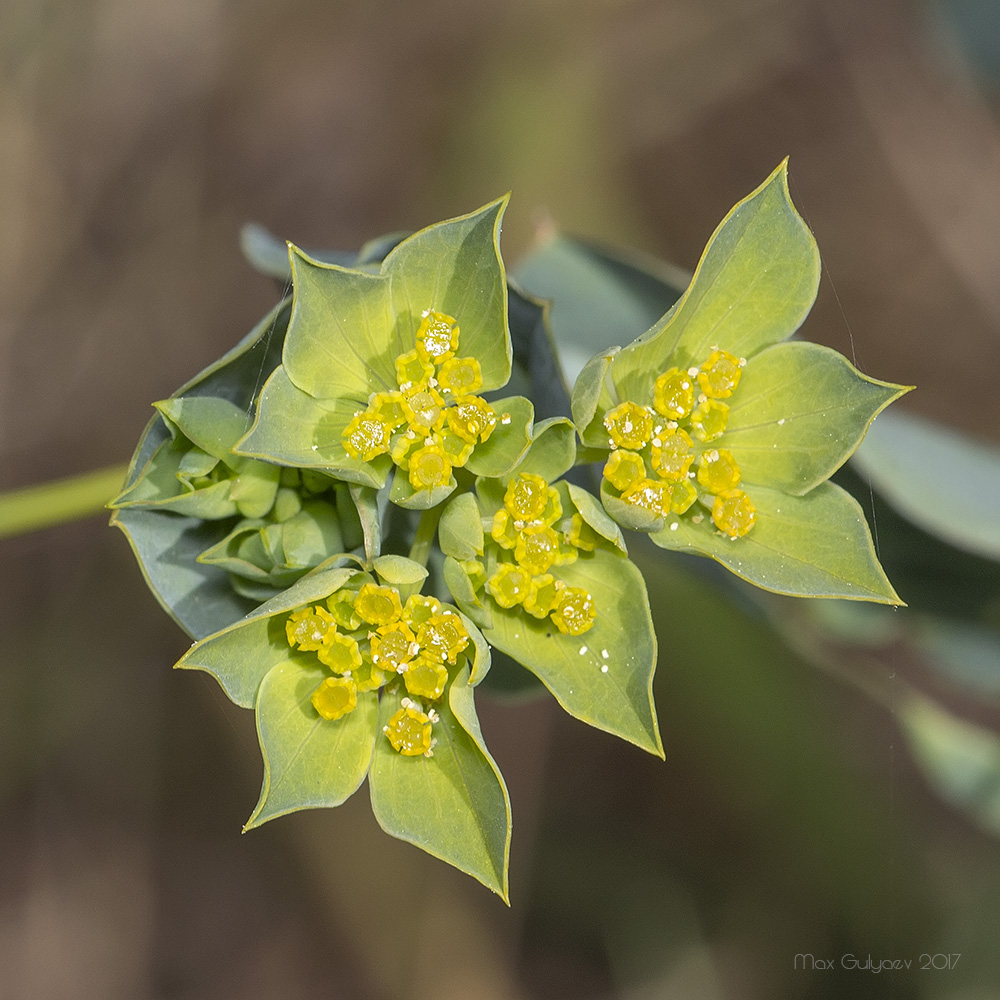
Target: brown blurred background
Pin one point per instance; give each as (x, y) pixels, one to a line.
(135, 140)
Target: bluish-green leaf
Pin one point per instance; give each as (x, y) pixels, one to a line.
(454, 805)
(961, 759)
(600, 295)
(309, 762)
(198, 597)
(817, 545)
(800, 410)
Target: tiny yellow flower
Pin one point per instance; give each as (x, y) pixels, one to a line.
(733, 513)
(437, 337)
(378, 605)
(409, 731)
(442, 636)
(574, 613)
(460, 376)
(718, 471)
(624, 468)
(366, 437)
(429, 467)
(510, 584)
(308, 628)
(425, 678)
(392, 646)
(720, 374)
(629, 425)
(335, 697)
(673, 394)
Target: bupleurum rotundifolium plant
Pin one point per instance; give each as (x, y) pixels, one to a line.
(347, 514)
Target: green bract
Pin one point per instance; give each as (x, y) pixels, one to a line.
(720, 438)
(355, 611)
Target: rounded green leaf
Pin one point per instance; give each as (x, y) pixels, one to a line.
(799, 412)
(593, 396)
(293, 428)
(817, 545)
(604, 676)
(753, 287)
(454, 805)
(309, 762)
(509, 441)
(342, 338)
(552, 451)
(404, 495)
(455, 267)
(595, 515)
(212, 423)
(460, 530)
(399, 571)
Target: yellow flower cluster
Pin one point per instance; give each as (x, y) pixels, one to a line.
(367, 637)
(524, 528)
(687, 407)
(432, 422)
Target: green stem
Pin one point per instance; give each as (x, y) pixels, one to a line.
(420, 550)
(59, 501)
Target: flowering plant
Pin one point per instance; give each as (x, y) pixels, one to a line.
(348, 513)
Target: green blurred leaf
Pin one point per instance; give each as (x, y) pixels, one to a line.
(536, 372)
(942, 480)
(799, 412)
(293, 428)
(600, 296)
(454, 805)
(817, 545)
(604, 676)
(455, 267)
(309, 762)
(753, 287)
(960, 759)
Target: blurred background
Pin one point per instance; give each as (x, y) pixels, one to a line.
(797, 813)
